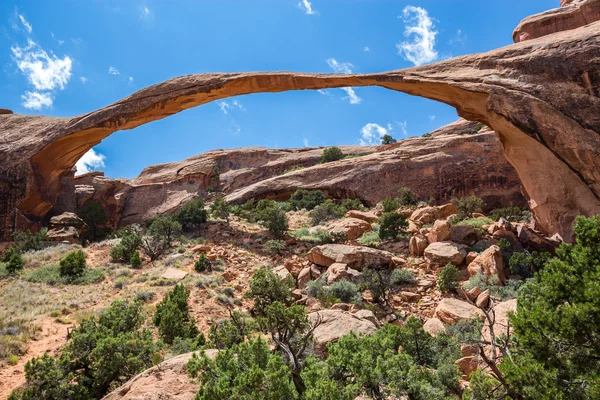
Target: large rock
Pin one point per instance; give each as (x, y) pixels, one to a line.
(166, 381)
(338, 272)
(66, 227)
(533, 241)
(465, 234)
(367, 216)
(351, 228)
(425, 215)
(441, 253)
(434, 326)
(306, 275)
(488, 263)
(417, 245)
(335, 324)
(354, 256)
(440, 231)
(547, 121)
(452, 310)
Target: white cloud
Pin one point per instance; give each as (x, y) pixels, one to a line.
(372, 133)
(432, 117)
(36, 100)
(421, 31)
(76, 40)
(44, 71)
(306, 6)
(131, 79)
(324, 92)
(90, 161)
(225, 106)
(366, 48)
(26, 24)
(305, 141)
(145, 13)
(61, 42)
(113, 71)
(403, 125)
(352, 96)
(83, 79)
(459, 38)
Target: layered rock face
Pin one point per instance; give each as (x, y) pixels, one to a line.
(540, 96)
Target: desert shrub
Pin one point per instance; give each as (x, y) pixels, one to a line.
(192, 215)
(525, 264)
(370, 239)
(346, 291)
(130, 242)
(172, 316)
(331, 154)
(73, 265)
(187, 345)
(165, 228)
(387, 139)
(230, 332)
(220, 209)
(476, 223)
(203, 264)
(266, 287)
(15, 263)
(509, 291)
(513, 214)
(92, 213)
(378, 281)
(326, 211)
(103, 352)
(504, 245)
(306, 199)
(351, 204)
(390, 205)
(275, 220)
(403, 276)
(406, 197)
(153, 247)
(274, 246)
(391, 224)
(7, 254)
(466, 206)
(448, 278)
(316, 287)
(145, 296)
(297, 168)
(135, 261)
(316, 236)
(27, 241)
(50, 274)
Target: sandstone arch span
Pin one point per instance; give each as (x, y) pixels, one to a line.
(541, 97)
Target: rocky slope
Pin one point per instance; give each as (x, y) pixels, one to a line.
(456, 160)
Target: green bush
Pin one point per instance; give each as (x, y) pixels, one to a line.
(526, 265)
(50, 274)
(391, 224)
(172, 316)
(513, 214)
(306, 199)
(266, 287)
(466, 206)
(326, 211)
(7, 254)
(92, 213)
(187, 345)
(346, 291)
(387, 139)
(351, 204)
(123, 251)
(390, 205)
(203, 264)
(406, 197)
(509, 291)
(275, 220)
(448, 278)
(165, 228)
(403, 276)
(231, 332)
(192, 215)
(25, 241)
(220, 209)
(15, 263)
(370, 239)
(73, 265)
(274, 246)
(331, 154)
(135, 261)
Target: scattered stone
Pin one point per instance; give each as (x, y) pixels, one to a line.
(354, 256)
(483, 299)
(282, 272)
(306, 275)
(367, 216)
(470, 257)
(425, 215)
(294, 265)
(441, 253)
(410, 297)
(434, 326)
(474, 293)
(337, 272)
(351, 228)
(335, 324)
(440, 231)
(174, 274)
(452, 310)
(447, 210)
(417, 245)
(465, 234)
(488, 263)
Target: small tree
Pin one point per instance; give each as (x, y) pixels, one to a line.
(29, 241)
(387, 139)
(172, 316)
(391, 224)
(267, 287)
(448, 278)
(15, 263)
(406, 197)
(92, 213)
(129, 243)
(331, 154)
(231, 332)
(390, 205)
(220, 209)
(306, 199)
(73, 265)
(275, 220)
(203, 264)
(165, 227)
(192, 214)
(466, 206)
(324, 212)
(135, 261)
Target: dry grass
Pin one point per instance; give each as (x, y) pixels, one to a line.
(49, 255)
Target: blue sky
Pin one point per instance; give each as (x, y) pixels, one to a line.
(64, 58)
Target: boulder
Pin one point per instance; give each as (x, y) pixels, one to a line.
(451, 310)
(307, 274)
(440, 231)
(483, 299)
(367, 315)
(334, 324)
(474, 293)
(470, 257)
(410, 297)
(66, 227)
(465, 234)
(510, 237)
(337, 272)
(351, 228)
(447, 210)
(441, 253)
(294, 265)
(367, 216)
(283, 273)
(425, 215)
(174, 274)
(467, 365)
(434, 326)
(533, 241)
(417, 245)
(354, 256)
(165, 381)
(488, 263)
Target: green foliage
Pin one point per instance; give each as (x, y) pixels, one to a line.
(15, 263)
(525, 264)
(103, 353)
(371, 238)
(346, 291)
(123, 251)
(406, 197)
(448, 278)
(172, 316)
(466, 206)
(220, 209)
(135, 260)
(165, 228)
(390, 205)
(50, 274)
(506, 292)
(378, 280)
(504, 245)
(248, 371)
(331, 154)
(192, 215)
(272, 217)
(73, 265)
(297, 168)
(266, 287)
(306, 199)
(25, 241)
(476, 223)
(187, 345)
(387, 139)
(403, 276)
(7, 254)
(92, 213)
(426, 135)
(391, 224)
(203, 264)
(326, 211)
(231, 332)
(513, 214)
(351, 204)
(274, 246)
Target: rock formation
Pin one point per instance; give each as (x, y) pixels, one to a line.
(540, 96)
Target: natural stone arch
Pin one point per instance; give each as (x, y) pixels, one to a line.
(540, 96)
